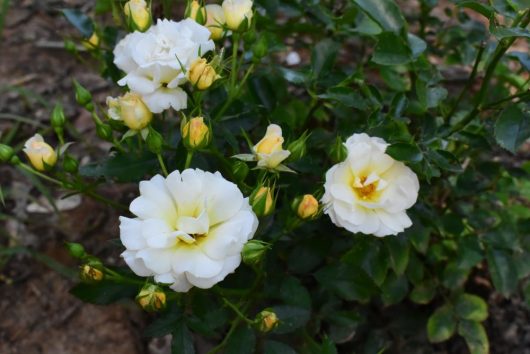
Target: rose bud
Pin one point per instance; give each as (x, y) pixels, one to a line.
(83, 96)
(40, 154)
(195, 133)
(90, 273)
(138, 14)
(253, 251)
(92, 42)
(215, 20)
(151, 298)
(262, 201)
(131, 110)
(298, 147)
(196, 12)
(201, 74)
(307, 207)
(266, 321)
(6, 153)
(238, 14)
(269, 150)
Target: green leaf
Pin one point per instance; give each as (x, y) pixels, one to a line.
(369, 254)
(445, 160)
(394, 289)
(503, 271)
(347, 281)
(399, 249)
(323, 57)
(391, 49)
(291, 318)
(509, 32)
(405, 152)
(182, 341)
(385, 12)
(292, 292)
(441, 325)
(343, 325)
(122, 167)
(80, 21)
(165, 323)
(423, 293)
(475, 337)
(345, 95)
(243, 341)
(104, 292)
(274, 347)
(103, 6)
(471, 307)
(512, 128)
(483, 9)
(429, 96)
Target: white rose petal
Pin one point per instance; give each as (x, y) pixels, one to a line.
(189, 230)
(370, 191)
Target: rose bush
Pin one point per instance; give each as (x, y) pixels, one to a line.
(331, 146)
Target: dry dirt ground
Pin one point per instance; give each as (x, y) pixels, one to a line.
(37, 314)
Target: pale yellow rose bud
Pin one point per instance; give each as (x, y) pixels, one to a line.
(196, 12)
(266, 321)
(40, 154)
(308, 207)
(90, 274)
(262, 201)
(269, 150)
(92, 42)
(151, 298)
(131, 110)
(215, 20)
(195, 133)
(138, 13)
(201, 74)
(236, 12)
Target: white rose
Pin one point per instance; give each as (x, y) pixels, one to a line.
(236, 11)
(189, 229)
(269, 151)
(370, 191)
(154, 61)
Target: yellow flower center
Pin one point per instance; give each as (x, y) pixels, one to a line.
(365, 191)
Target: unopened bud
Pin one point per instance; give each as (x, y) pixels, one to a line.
(196, 12)
(240, 170)
(151, 298)
(131, 109)
(262, 201)
(6, 153)
(306, 207)
(195, 133)
(155, 141)
(298, 148)
(82, 95)
(201, 74)
(253, 251)
(338, 151)
(138, 14)
(58, 119)
(266, 321)
(70, 164)
(92, 42)
(76, 250)
(41, 155)
(104, 131)
(215, 21)
(91, 273)
(238, 14)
